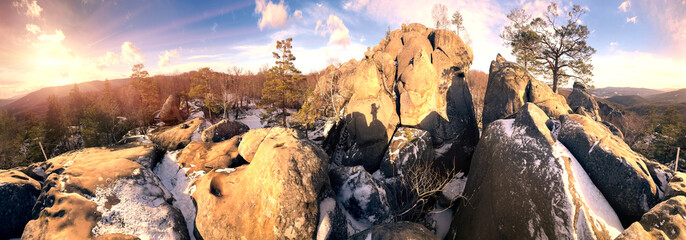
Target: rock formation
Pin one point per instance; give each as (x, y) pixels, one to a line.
(580, 98)
(664, 221)
(223, 130)
(170, 113)
(19, 194)
(201, 156)
(396, 231)
(176, 137)
(523, 184)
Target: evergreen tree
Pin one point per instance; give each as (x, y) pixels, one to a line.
(457, 21)
(281, 88)
(32, 135)
(201, 88)
(148, 94)
(55, 128)
(109, 106)
(553, 47)
(76, 105)
(307, 114)
(10, 137)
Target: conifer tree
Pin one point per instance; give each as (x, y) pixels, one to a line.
(201, 88)
(55, 128)
(281, 88)
(148, 94)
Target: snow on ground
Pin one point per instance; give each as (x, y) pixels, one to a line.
(590, 193)
(175, 180)
(252, 118)
(141, 211)
(326, 209)
(197, 134)
(442, 217)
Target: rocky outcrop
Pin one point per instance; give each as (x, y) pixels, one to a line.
(251, 141)
(200, 156)
(19, 194)
(619, 173)
(414, 78)
(274, 197)
(177, 137)
(523, 184)
(510, 86)
(579, 97)
(223, 130)
(98, 192)
(409, 149)
(664, 221)
(396, 231)
(170, 113)
(362, 196)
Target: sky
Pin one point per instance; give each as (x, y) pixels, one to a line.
(639, 43)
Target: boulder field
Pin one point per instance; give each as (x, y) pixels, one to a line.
(403, 158)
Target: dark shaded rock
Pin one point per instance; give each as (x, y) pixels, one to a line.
(396, 231)
(223, 130)
(580, 98)
(613, 129)
(409, 148)
(525, 185)
(19, 194)
(619, 172)
(361, 195)
(170, 113)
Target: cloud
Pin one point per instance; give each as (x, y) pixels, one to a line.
(32, 7)
(272, 15)
(669, 18)
(55, 38)
(166, 57)
(339, 33)
(214, 27)
(32, 28)
(131, 54)
(624, 6)
(632, 19)
(298, 14)
(316, 28)
(355, 5)
(108, 60)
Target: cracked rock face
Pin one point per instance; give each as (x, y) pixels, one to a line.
(273, 197)
(414, 78)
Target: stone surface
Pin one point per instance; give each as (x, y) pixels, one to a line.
(619, 172)
(664, 221)
(98, 191)
(362, 196)
(579, 97)
(223, 130)
(200, 156)
(409, 148)
(525, 185)
(396, 231)
(274, 197)
(170, 113)
(510, 86)
(178, 136)
(19, 194)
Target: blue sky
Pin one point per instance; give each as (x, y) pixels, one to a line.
(640, 43)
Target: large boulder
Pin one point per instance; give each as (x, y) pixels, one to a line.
(19, 194)
(619, 172)
(409, 149)
(178, 136)
(223, 130)
(396, 231)
(664, 221)
(362, 196)
(251, 141)
(170, 113)
(526, 185)
(274, 197)
(510, 86)
(579, 97)
(101, 192)
(201, 156)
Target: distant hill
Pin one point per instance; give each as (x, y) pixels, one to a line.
(629, 100)
(36, 101)
(4, 102)
(623, 91)
(677, 96)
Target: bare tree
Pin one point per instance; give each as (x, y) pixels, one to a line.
(439, 13)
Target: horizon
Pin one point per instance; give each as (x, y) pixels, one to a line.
(50, 43)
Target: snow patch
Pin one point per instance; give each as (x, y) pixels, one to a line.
(252, 118)
(442, 217)
(175, 180)
(326, 209)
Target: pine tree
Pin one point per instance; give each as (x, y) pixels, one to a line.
(55, 128)
(201, 88)
(109, 105)
(76, 105)
(308, 112)
(148, 94)
(281, 88)
(10, 136)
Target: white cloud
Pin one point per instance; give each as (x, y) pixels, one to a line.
(272, 15)
(298, 14)
(32, 7)
(32, 28)
(339, 33)
(631, 19)
(355, 5)
(669, 18)
(613, 44)
(362, 39)
(166, 57)
(108, 60)
(624, 6)
(131, 54)
(55, 38)
(214, 27)
(316, 28)
(622, 69)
